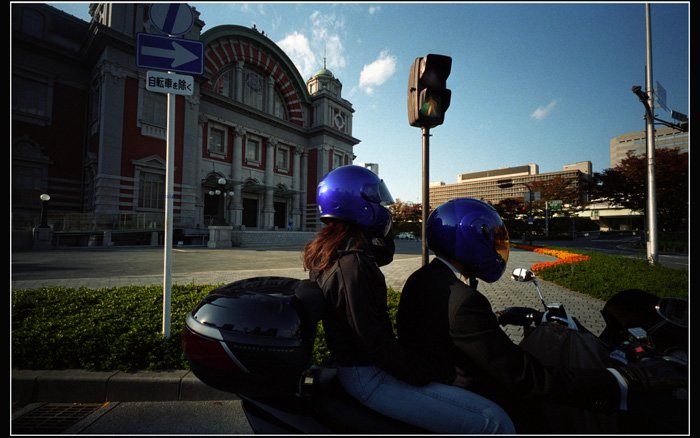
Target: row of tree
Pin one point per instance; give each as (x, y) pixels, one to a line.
(623, 186)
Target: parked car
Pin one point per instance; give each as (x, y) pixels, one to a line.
(407, 236)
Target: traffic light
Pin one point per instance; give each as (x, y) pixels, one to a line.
(428, 99)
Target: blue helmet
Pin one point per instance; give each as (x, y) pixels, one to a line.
(472, 232)
(355, 194)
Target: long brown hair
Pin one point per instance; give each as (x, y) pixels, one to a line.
(322, 251)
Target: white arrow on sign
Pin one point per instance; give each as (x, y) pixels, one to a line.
(178, 54)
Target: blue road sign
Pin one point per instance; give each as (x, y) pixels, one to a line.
(171, 18)
(169, 54)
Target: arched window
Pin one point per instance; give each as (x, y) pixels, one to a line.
(224, 84)
(279, 108)
(253, 89)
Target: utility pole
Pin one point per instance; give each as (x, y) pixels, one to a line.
(652, 242)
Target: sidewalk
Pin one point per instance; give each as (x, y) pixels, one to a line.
(175, 401)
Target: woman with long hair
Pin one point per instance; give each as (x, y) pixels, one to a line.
(344, 260)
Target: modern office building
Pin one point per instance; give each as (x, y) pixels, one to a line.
(251, 141)
(666, 137)
(374, 167)
(484, 185)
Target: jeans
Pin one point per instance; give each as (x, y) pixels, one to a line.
(435, 407)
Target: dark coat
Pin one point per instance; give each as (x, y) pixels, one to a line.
(441, 317)
(356, 323)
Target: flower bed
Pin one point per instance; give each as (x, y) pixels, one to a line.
(564, 257)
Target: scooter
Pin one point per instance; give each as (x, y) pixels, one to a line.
(639, 326)
(255, 338)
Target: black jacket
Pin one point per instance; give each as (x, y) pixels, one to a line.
(356, 323)
(441, 317)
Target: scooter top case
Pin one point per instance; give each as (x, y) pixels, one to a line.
(255, 336)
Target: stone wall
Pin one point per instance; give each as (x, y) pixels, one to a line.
(255, 239)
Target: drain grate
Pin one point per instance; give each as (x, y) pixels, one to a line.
(52, 418)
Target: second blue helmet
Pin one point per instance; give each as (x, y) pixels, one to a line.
(471, 231)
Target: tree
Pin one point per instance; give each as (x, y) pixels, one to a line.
(557, 189)
(405, 216)
(512, 216)
(625, 185)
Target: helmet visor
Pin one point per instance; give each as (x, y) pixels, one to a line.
(377, 193)
(501, 243)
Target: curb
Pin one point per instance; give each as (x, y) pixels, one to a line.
(79, 386)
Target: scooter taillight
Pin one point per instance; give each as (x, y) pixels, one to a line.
(207, 352)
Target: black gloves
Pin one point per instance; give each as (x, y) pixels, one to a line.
(650, 375)
(515, 316)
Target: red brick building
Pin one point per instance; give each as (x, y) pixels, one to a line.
(86, 130)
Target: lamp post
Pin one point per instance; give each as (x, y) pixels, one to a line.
(647, 99)
(222, 193)
(652, 245)
(43, 222)
(43, 234)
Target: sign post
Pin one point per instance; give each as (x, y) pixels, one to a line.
(172, 55)
(169, 195)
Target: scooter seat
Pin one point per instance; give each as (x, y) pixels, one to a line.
(344, 414)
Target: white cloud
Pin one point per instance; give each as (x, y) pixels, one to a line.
(325, 41)
(335, 60)
(377, 72)
(298, 48)
(327, 30)
(543, 111)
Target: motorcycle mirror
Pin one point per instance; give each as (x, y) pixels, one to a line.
(522, 275)
(673, 310)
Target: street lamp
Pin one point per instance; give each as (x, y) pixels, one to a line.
(222, 194)
(43, 223)
(43, 234)
(652, 242)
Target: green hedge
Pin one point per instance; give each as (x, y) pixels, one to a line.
(604, 275)
(120, 328)
(104, 329)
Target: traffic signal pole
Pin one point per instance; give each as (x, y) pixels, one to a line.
(428, 99)
(426, 192)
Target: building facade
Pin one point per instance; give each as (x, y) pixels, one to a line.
(485, 185)
(636, 142)
(251, 142)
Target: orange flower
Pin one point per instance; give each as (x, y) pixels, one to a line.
(564, 257)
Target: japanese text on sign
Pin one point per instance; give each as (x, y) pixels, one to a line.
(169, 83)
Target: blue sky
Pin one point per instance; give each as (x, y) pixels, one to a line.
(545, 83)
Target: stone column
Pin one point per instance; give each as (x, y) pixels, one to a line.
(296, 185)
(270, 96)
(237, 210)
(304, 187)
(238, 81)
(110, 142)
(269, 209)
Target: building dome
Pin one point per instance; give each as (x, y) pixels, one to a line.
(324, 72)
